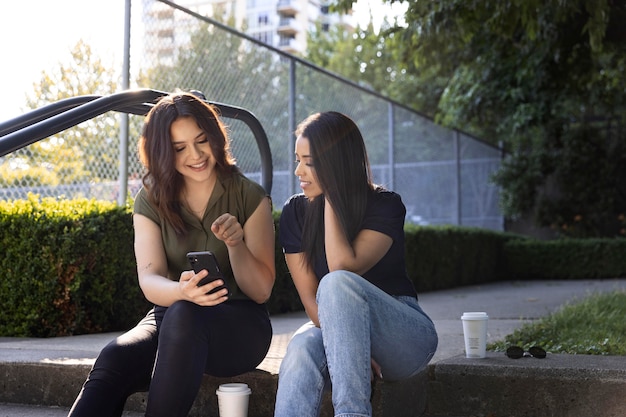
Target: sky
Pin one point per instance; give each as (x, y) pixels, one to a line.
(38, 35)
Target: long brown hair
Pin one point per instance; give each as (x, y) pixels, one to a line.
(343, 171)
(156, 152)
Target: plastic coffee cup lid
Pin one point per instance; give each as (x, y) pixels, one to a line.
(475, 316)
(233, 387)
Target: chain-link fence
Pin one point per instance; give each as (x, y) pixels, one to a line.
(442, 174)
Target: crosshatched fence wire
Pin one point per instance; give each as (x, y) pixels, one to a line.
(80, 162)
(442, 175)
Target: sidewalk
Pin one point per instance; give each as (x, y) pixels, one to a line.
(508, 304)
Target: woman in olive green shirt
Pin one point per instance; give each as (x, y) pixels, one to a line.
(194, 198)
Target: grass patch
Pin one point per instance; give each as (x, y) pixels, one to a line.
(594, 326)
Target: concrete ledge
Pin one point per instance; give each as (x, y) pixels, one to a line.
(57, 384)
(557, 386)
(41, 383)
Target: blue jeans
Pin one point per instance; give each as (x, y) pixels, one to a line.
(358, 322)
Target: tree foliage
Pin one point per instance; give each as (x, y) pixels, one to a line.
(72, 156)
(512, 65)
(368, 57)
(227, 69)
(543, 77)
(372, 58)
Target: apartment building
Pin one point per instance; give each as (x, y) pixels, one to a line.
(280, 23)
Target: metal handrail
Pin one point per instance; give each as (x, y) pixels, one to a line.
(37, 115)
(46, 121)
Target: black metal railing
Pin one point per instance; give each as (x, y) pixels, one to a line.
(49, 120)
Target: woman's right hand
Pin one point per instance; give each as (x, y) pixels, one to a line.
(152, 271)
(190, 291)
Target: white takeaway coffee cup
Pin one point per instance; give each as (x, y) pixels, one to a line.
(232, 399)
(475, 334)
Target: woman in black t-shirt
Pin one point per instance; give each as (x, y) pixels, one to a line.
(343, 239)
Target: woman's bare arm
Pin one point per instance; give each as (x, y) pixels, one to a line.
(306, 283)
(251, 250)
(358, 256)
(152, 271)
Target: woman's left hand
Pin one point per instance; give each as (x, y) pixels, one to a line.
(227, 229)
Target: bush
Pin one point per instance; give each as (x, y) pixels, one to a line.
(440, 257)
(565, 258)
(284, 296)
(69, 265)
(68, 268)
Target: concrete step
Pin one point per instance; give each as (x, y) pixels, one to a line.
(45, 375)
(557, 386)
(57, 385)
(22, 410)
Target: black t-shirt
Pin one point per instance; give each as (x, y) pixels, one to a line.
(385, 214)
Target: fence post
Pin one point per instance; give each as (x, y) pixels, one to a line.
(291, 179)
(123, 171)
(457, 153)
(391, 146)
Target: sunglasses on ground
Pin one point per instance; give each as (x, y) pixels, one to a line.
(516, 352)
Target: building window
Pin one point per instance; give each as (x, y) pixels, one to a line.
(265, 37)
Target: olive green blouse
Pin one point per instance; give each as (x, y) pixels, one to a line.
(234, 194)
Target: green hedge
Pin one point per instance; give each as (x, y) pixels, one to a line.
(565, 258)
(440, 257)
(69, 266)
(284, 295)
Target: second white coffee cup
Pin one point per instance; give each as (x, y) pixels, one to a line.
(232, 399)
(475, 334)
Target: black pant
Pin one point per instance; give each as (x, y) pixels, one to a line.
(168, 352)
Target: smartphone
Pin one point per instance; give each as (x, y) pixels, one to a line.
(206, 260)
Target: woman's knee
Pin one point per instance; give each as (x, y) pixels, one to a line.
(180, 311)
(340, 286)
(338, 281)
(304, 349)
(113, 356)
(118, 362)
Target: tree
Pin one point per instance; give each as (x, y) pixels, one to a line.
(228, 69)
(514, 64)
(369, 58)
(80, 154)
(545, 78)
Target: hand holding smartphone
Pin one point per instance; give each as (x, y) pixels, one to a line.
(206, 260)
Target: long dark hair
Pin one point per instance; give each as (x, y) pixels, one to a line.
(343, 171)
(156, 151)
